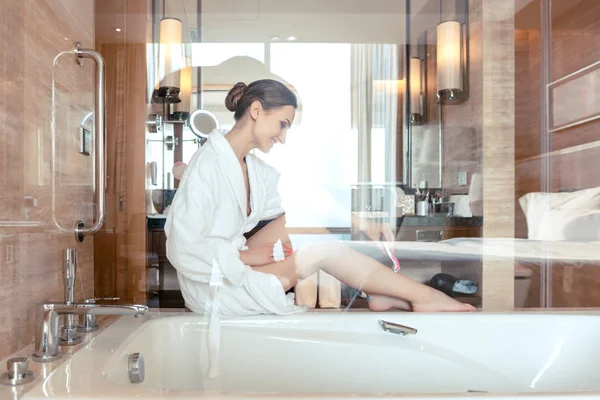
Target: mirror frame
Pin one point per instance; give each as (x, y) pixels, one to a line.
(195, 130)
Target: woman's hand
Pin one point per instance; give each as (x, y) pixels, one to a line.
(262, 254)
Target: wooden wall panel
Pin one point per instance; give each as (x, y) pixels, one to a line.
(121, 249)
(575, 155)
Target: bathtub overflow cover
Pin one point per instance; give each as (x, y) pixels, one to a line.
(136, 368)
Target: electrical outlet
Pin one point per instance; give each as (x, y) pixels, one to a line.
(462, 179)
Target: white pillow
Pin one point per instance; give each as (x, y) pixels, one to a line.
(583, 228)
(562, 216)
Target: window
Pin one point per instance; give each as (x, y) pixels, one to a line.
(318, 162)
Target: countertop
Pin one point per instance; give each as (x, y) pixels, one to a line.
(437, 220)
(441, 220)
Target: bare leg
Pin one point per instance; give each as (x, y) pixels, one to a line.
(359, 271)
(384, 303)
(355, 270)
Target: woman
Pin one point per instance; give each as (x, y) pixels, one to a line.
(225, 192)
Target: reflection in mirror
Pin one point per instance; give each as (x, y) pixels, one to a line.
(203, 122)
(418, 81)
(423, 130)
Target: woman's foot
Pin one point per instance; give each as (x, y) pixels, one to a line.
(385, 303)
(435, 301)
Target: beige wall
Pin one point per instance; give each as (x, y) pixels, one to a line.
(478, 134)
(461, 125)
(498, 145)
(33, 33)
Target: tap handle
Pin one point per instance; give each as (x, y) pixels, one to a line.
(70, 264)
(18, 367)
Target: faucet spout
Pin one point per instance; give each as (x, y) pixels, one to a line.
(99, 309)
(47, 326)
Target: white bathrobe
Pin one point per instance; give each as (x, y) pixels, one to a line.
(205, 232)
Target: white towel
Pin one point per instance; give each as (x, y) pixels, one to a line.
(476, 195)
(462, 206)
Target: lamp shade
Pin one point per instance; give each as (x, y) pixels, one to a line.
(449, 71)
(171, 52)
(186, 89)
(415, 85)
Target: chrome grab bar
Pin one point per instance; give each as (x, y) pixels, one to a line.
(81, 231)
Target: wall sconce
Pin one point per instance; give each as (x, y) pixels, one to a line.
(418, 82)
(186, 89)
(170, 59)
(453, 57)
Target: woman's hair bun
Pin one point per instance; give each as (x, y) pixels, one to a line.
(235, 94)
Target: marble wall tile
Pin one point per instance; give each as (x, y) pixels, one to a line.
(46, 184)
(498, 140)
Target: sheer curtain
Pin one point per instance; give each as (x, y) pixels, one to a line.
(375, 81)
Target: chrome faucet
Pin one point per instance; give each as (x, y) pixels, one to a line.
(68, 332)
(47, 326)
(87, 322)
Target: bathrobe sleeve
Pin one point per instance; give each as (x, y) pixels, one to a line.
(190, 248)
(273, 208)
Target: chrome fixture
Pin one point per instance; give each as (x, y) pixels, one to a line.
(46, 323)
(87, 322)
(171, 141)
(397, 328)
(154, 123)
(68, 332)
(81, 231)
(135, 366)
(18, 372)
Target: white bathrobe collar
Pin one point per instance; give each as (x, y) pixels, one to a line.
(230, 162)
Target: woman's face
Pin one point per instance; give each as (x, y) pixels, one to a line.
(270, 126)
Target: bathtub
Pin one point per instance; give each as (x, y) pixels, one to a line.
(341, 355)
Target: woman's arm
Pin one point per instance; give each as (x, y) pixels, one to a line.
(261, 244)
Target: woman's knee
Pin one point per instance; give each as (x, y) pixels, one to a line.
(288, 273)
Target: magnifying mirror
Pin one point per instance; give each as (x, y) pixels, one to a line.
(203, 122)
